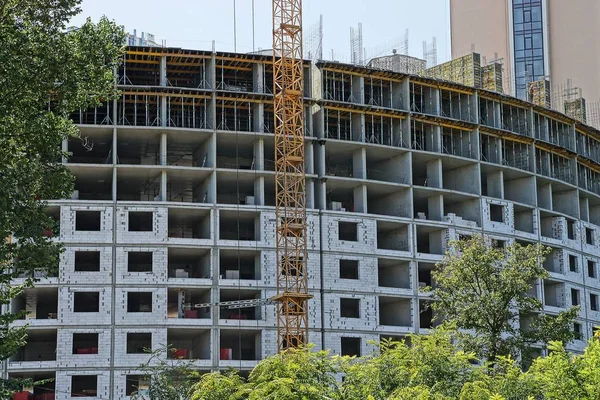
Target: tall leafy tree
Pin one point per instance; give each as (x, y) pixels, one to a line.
(483, 291)
(46, 73)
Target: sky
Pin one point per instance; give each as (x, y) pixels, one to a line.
(195, 24)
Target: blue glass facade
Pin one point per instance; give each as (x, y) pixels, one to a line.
(529, 43)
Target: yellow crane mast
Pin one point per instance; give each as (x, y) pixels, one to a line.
(290, 176)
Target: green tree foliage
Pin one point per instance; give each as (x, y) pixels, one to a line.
(45, 75)
(482, 291)
(429, 368)
(299, 374)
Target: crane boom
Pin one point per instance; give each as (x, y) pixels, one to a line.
(290, 177)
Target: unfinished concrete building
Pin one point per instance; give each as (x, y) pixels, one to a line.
(174, 206)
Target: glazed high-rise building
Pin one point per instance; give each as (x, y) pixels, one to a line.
(537, 39)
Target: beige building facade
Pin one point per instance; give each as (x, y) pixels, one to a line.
(556, 39)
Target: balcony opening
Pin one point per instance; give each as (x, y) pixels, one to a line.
(339, 162)
(234, 189)
(573, 267)
(87, 221)
(430, 240)
(189, 224)
(240, 345)
(189, 344)
(574, 297)
(554, 293)
(393, 273)
(591, 269)
(339, 198)
(349, 308)
(40, 346)
(578, 331)
(498, 244)
(84, 385)
(86, 302)
(47, 388)
(589, 236)
(497, 213)
(136, 384)
(189, 263)
(139, 184)
(594, 306)
(395, 311)
(235, 264)
(524, 218)
(349, 269)
(139, 261)
(238, 226)
(139, 302)
(348, 231)
(425, 277)
(140, 221)
(138, 147)
(426, 318)
(87, 261)
(552, 262)
(53, 229)
(252, 313)
(392, 236)
(350, 346)
(571, 229)
(39, 303)
(93, 147)
(181, 303)
(139, 343)
(85, 343)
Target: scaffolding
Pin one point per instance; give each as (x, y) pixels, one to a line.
(399, 63)
(468, 71)
(539, 93)
(464, 70)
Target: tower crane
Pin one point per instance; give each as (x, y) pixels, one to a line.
(290, 181)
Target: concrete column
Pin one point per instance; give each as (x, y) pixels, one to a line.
(358, 89)
(359, 163)
(405, 88)
(434, 173)
(259, 191)
(163, 71)
(259, 154)
(360, 199)
(310, 194)
(396, 93)
(180, 301)
(309, 158)
(475, 108)
(163, 111)
(114, 184)
(258, 82)
(163, 148)
(358, 127)
(433, 142)
(320, 194)
(258, 117)
(495, 184)
(435, 207)
(163, 186)
(65, 148)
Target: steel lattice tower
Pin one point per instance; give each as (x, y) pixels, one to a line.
(290, 179)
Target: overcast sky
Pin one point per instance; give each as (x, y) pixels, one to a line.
(196, 23)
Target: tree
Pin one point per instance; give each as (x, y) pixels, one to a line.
(297, 374)
(46, 73)
(168, 379)
(482, 291)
